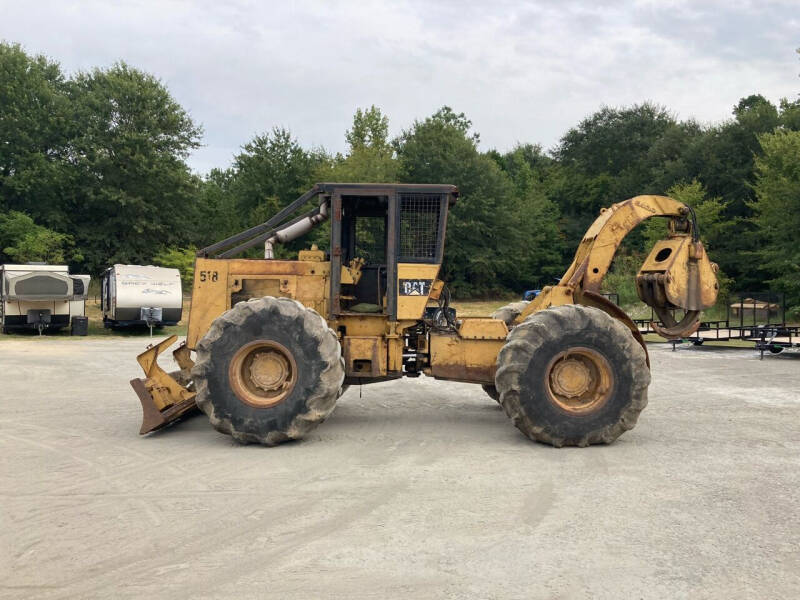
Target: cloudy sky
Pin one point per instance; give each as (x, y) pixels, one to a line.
(522, 71)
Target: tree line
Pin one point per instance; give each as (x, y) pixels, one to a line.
(93, 172)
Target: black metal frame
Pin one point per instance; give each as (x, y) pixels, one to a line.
(444, 202)
(238, 243)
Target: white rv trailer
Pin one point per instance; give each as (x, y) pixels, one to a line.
(141, 295)
(38, 296)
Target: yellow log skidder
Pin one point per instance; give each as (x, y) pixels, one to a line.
(277, 341)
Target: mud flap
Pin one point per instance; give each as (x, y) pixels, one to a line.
(164, 398)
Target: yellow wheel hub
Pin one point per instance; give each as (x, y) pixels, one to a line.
(269, 370)
(579, 380)
(262, 373)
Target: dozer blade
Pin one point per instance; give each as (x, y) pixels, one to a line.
(154, 419)
(164, 399)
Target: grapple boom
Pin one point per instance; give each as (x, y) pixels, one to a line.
(677, 274)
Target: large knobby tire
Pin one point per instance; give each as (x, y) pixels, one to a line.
(572, 376)
(507, 314)
(268, 370)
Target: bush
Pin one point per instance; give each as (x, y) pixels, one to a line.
(181, 259)
(22, 240)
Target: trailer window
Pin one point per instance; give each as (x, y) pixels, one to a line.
(41, 285)
(419, 227)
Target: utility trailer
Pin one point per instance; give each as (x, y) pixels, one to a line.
(41, 297)
(134, 295)
(754, 317)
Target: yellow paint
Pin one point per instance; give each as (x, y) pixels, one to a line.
(459, 359)
(412, 307)
(477, 328)
(364, 356)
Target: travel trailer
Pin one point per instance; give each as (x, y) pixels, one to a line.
(141, 295)
(41, 297)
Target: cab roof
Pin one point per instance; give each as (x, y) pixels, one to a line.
(376, 189)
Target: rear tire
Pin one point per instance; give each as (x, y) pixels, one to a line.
(268, 370)
(572, 376)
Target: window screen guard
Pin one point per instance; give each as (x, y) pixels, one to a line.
(419, 226)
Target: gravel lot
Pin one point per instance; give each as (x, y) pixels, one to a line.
(414, 489)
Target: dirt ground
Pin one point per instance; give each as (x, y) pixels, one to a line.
(413, 489)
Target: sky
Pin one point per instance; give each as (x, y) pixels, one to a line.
(523, 72)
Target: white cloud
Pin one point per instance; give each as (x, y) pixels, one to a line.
(521, 71)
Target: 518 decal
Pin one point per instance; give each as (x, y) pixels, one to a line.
(209, 275)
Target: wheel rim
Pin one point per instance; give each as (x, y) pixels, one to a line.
(262, 373)
(579, 380)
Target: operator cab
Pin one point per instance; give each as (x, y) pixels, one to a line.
(379, 226)
(387, 240)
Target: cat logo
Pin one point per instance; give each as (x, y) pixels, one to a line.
(415, 287)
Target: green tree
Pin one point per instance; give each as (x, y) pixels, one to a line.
(722, 159)
(218, 213)
(370, 129)
(541, 253)
(22, 241)
(370, 156)
(271, 170)
(777, 209)
(486, 238)
(36, 126)
(612, 155)
(710, 213)
(134, 192)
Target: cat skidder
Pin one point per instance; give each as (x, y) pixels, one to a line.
(277, 341)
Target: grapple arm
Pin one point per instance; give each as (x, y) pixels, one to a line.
(676, 275)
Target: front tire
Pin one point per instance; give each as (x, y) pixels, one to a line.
(269, 370)
(572, 376)
(507, 314)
